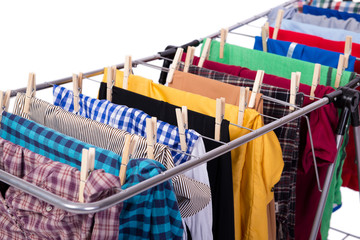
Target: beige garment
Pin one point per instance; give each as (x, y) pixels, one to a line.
(271, 220)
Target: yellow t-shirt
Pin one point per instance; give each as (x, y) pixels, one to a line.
(256, 165)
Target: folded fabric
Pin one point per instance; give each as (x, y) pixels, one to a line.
(24, 216)
(152, 214)
(250, 217)
(334, 34)
(274, 64)
(344, 6)
(192, 195)
(339, 14)
(303, 52)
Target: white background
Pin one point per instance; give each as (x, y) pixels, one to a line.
(55, 39)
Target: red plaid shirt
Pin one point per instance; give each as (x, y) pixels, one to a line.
(26, 217)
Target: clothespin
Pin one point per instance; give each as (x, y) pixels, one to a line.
(189, 58)
(205, 52)
(339, 70)
(247, 93)
(298, 77)
(30, 92)
(241, 106)
(223, 36)
(279, 18)
(128, 150)
(175, 65)
(87, 166)
(4, 101)
(181, 127)
(151, 136)
(220, 112)
(316, 80)
(77, 88)
(184, 112)
(293, 83)
(256, 88)
(265, 35)
(347, 50)
(127, 71)
(110, 83)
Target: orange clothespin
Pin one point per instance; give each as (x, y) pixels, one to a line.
(256, 88)
(189, 58)
(205, 52)
(279, 18)
(151, 128)
(265, 35)
(339, 70)
(30, 92)
(127, 71)
(175, 65)
(316, 80)
(128, 150)
(220, 113)
(87, 165)
(181, 127)
(223, 36)
(242, 106)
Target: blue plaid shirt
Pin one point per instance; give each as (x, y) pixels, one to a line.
(144, 215)
(128, 119)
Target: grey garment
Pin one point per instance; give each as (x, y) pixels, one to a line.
(350, 24)
(288, 14)
(192, 195)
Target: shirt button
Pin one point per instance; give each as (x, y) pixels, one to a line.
(48, 208)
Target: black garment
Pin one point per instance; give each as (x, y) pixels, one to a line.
(219, 169)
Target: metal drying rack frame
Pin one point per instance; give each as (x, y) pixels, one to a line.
(93, 207)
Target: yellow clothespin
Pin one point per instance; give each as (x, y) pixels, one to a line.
(241, 106)
(77, 88)
(181, 127)
(265, 35)
(256, 88)
(339, 70)
(189, 58)
(223, 36)
(205, 52)
(175, 65)
(151, 128)
(220, 113)
(110, 83)
(347, 50)
(127, 71)
(279, 18)
(293, 84)
(316, 80)
(128, 150)
(30, 92)
(87, 165)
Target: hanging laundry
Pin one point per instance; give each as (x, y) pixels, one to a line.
(339, 14)
(344, 6)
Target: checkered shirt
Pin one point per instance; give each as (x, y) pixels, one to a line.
(288, 135)
(27, 217)
(129, 119)
(347, 6)
(152, 214)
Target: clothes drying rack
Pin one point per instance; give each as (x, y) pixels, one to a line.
(346, 98)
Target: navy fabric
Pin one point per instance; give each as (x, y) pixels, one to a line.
(330, 13)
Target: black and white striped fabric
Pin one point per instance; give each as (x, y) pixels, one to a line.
(192, 195)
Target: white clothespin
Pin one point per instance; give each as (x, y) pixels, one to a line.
(339, 70)
(175, 65)
(347, 50)
(316, 80)
(205, 52)
(87, 165)
(77, 88)
(128, 150)
(256, 88)
(293, 84)
(279, 18)
(127, 71)
(265, 35)
(30, 92)
(220, 113)
(181, 127)
(241, 106)
(151, 128)
(223, 36)
(110, 83)
(189, 58)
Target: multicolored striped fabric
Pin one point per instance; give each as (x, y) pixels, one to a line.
(144, 215)
(288, 135)
(129, 119)
(344, 6)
